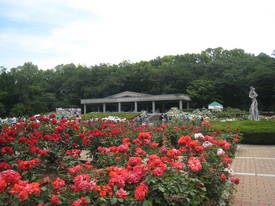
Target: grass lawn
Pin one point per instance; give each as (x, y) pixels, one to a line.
(102, 115)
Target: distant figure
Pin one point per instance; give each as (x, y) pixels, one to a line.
(145, 121)
(77, 119)
(161, 117)
(13, 120)
(166, 118)
(137, 120)
(184, 117)
(253, 111)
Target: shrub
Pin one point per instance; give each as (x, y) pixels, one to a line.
(232, 113)
(175, 114)
(253, 132)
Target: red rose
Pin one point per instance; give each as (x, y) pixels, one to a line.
(54, 200)
(58, 183)
(52, 115)
(223, 177)
(184, 140)
(141, 191)
(121, 193)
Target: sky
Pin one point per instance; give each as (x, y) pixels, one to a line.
(90, 32)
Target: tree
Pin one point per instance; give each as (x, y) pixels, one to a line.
(2, 110)
(19, 110)
(202, 92)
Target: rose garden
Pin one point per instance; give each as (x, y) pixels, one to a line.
(46, 161)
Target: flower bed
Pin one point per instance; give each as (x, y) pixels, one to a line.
(131, 164)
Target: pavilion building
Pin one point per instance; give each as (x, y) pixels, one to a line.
(135, 102)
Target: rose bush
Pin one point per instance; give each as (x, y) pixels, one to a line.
(170, 164)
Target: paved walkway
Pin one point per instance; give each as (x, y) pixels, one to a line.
(255, 166)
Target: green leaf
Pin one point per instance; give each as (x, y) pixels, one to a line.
(113, 201)
(88, 198)
(161, 189)
(43, 188)
(147, 203)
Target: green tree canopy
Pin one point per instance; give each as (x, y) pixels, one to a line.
(202, 92)
(213, 74)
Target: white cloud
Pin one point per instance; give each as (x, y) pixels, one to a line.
(141, 30)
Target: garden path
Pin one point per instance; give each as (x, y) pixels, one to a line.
(255, 166)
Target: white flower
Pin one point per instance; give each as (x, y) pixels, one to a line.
(114, 118)
(207, 144)
(229, 170)
(198, 135)
(220, 152)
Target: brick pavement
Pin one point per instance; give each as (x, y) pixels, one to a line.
(255, 166)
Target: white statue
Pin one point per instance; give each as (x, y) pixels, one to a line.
(253, 111)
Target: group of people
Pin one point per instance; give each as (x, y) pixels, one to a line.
(143, 120)
(12, 120)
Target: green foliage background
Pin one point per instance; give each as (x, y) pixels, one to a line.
(212, 75)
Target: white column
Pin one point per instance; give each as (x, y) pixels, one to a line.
(187, 105)
(104, 107)
(136, 107)
(180, 104)
(153, 106)
(85, 108)
(119, 107)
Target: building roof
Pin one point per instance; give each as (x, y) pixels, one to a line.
(215, 104)
(129, 96)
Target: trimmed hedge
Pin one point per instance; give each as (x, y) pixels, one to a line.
(102, 115)
(231, 113)
(254, 132)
